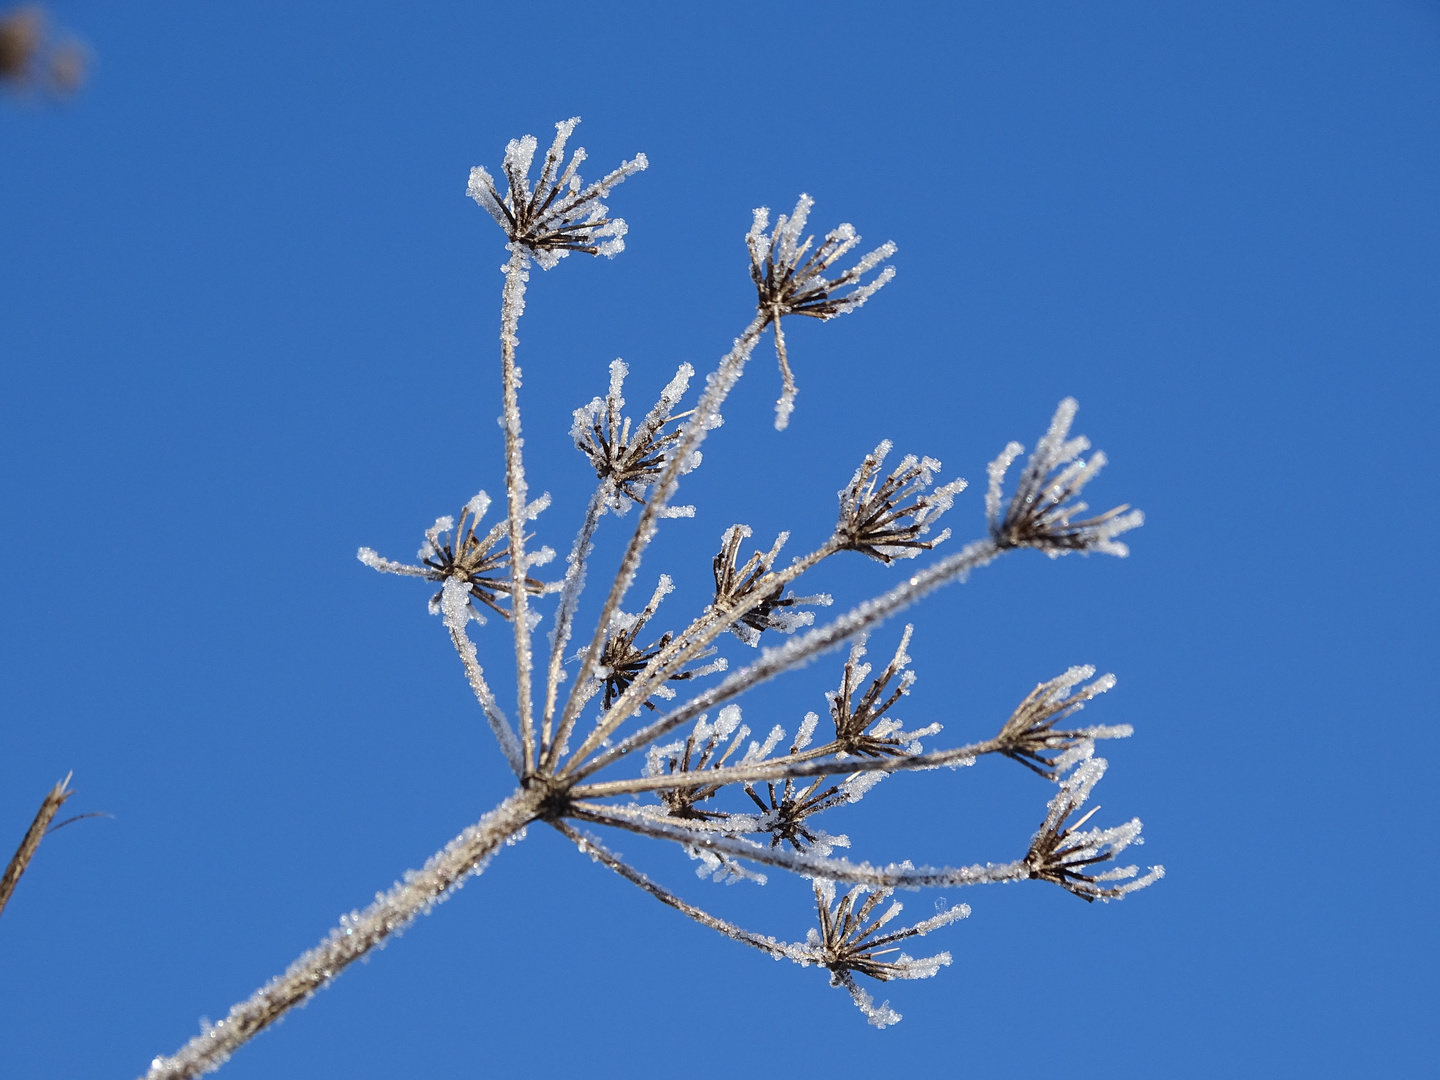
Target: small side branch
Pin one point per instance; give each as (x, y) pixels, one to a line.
(802, 649)
(600, 854)
(902, 875)
(717, 388)
(511, 308)
(28, 846)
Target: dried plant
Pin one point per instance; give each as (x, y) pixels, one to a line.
(739, 806)
(32, 57)
(30, 843)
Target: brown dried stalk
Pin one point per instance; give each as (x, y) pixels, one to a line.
(33, 835)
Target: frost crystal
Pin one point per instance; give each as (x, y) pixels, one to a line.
(560, 214)
(1046, 496)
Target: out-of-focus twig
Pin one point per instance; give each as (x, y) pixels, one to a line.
(53, 801)
(30, 56)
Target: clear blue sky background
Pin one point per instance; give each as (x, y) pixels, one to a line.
(248, 323)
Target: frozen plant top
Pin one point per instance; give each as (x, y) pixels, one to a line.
(560, 214)
(599, 737)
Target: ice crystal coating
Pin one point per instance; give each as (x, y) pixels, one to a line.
(1030, 736)
(791, 279)
(875, 518)
(739, 587)
(628, 461)
(559, 214)
(1062, 853)
(1046, 496)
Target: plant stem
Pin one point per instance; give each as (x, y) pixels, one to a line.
(356, 936)
(511, 307)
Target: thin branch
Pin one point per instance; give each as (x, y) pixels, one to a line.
(717, 387)
(597, 851)
(33, 835)
(570, 591)
(788, 768)
(893, 875)
(511, 308)
(802, 649)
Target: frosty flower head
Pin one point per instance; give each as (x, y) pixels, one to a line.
(708, 746)
(1041, 513)
(622, 661)
(1030, 735)
(875, 517)
(457, 552)
(787, 813)
(861, 726)
(792, 279)
(559, 214)
(1061, 852)
(736, 586)
(848, 942)
(629, 458)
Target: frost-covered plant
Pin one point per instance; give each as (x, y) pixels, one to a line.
(736, 805)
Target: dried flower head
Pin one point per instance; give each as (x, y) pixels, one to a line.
(629, 459)
(1030, 736)
(861, 726)
(704, 748)
(737, 586)
(622, 661)
(846, 943)
(456, 552)
(559, 215)
(787, 813)
(877, 520)
(1062, 853)
(1041, 510)
(790, 279)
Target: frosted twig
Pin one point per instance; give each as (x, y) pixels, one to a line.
(30, 844)
(706, 416)
(357, 934)
(570, 589)
(511, 308)
(902, 875)
(457, 613)
(588, 845)
(790, 279)
(801, 649)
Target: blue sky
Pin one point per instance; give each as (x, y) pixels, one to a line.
(249, 325)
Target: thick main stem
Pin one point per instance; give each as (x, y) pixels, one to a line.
(511, 307)
(353, 938)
